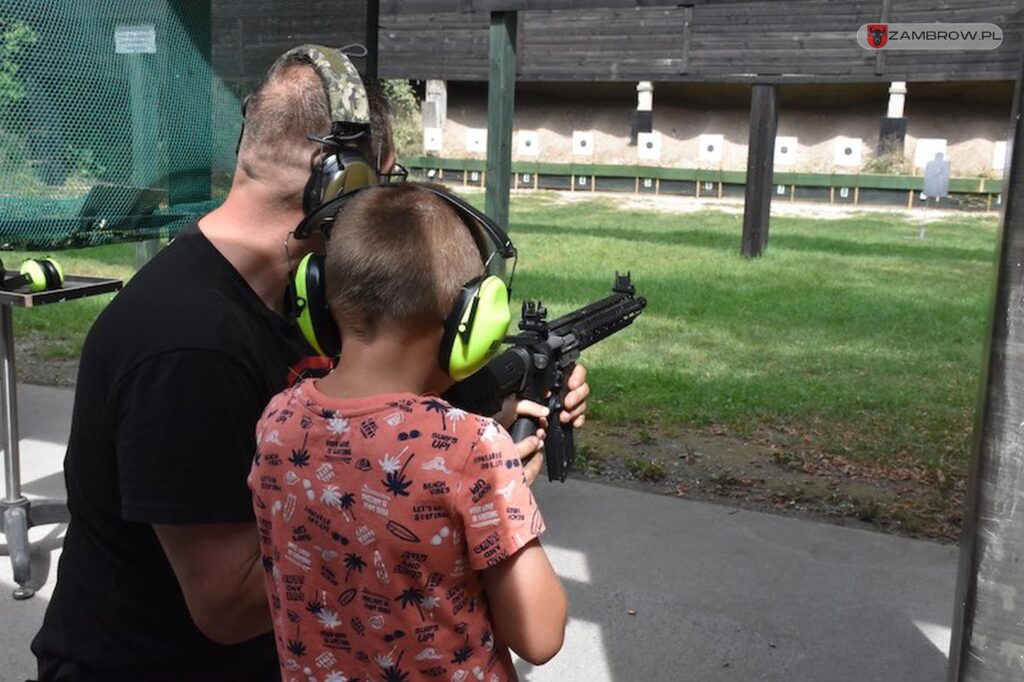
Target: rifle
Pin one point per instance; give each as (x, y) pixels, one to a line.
(540, 361)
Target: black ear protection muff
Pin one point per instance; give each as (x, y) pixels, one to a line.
(38, 274)
(479, 319)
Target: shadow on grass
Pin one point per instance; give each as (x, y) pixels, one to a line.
(777, 241)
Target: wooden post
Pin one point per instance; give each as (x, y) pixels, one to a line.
(986, 640)
(501, 90)
(372, 41)
(764, 119)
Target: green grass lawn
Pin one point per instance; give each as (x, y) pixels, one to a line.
(845, 338)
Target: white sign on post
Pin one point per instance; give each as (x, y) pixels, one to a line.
(138, 39)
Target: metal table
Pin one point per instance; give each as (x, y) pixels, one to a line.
(20, 513)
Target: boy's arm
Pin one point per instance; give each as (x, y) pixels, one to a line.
(528, 603)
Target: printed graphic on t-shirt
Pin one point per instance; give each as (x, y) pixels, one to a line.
(374, 516)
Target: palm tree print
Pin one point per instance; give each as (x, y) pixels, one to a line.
(462, 654)
(328, 618)
(395, 481)
(435, 405)
(296, 647)
(413, 596)
(353, 562)
(337, 425)
(455, 414)
(429, 604)
(392, 673)
(347, 501)
(336, 676)
(314, 607)
(300, 457)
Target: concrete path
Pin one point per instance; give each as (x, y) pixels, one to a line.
(661, 588)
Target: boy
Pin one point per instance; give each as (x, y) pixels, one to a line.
(399, 534)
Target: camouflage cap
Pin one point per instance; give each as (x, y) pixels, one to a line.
(342, 83)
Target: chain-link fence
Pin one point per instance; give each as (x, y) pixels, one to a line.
(116, 124)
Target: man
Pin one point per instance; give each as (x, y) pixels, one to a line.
(160, 578)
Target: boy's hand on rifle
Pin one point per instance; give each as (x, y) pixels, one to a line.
(530, 448)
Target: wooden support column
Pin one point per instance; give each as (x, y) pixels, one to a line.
(986, 639)
(764, 118)
(501, 90)
(372, 33)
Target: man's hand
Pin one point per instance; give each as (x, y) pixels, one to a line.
(575, 403)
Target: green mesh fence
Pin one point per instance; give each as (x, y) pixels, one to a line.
(113, 126)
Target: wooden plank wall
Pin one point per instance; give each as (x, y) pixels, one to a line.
(785, 40)
(248, 35)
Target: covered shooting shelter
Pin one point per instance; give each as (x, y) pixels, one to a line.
(767, 45)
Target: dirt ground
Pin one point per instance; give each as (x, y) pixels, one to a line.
(714, 466)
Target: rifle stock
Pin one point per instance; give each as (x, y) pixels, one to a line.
(538, 364)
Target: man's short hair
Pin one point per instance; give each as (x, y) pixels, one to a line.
(397, 255)
(289, 106)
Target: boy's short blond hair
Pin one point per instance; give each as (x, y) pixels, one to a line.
(397, 255)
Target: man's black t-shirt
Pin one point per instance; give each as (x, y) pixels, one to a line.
(173, 377)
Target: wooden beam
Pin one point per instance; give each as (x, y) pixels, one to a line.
(880, 56)
(764, 119)
(501, 91)
(372, 40)
(985, 642)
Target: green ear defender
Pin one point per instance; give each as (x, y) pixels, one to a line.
(38, 274)
(476, 326)
(310, 306)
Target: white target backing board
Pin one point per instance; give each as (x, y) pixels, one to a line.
(999, 156)
(582, 143)
(648, 146)
(476, 140)
(927, 148)
(710, 147)
(432, 139)
(847, 151)
(785, 151)
(527, 143)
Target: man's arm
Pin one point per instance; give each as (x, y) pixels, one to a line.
(219, 569)
(528, 604)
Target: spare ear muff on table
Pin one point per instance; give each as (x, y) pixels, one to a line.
(37, 274)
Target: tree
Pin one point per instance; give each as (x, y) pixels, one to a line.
(15, 39)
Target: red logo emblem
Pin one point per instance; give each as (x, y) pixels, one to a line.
(878, 35)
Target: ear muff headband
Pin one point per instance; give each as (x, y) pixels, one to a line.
(312, 314)
(476, 326)
(346, 96)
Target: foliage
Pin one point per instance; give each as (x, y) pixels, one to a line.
(408, 128)
(15, 39)
(890, 162)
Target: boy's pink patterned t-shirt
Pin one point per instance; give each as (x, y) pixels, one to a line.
(374, 516)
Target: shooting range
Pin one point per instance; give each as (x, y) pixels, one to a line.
(663, 139)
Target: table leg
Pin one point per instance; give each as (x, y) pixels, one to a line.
(14, 504)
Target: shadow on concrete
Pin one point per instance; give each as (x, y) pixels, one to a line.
(670, 589)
